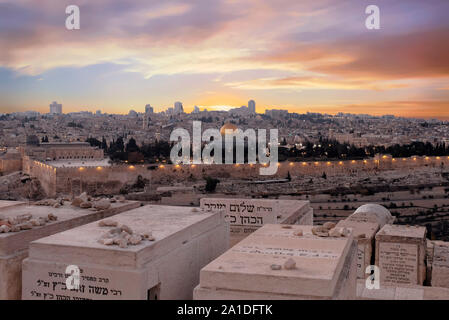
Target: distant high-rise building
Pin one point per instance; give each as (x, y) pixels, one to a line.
(132, 113)
(252, 106)
(98, 112)
(178, 107)
(149, 109)
(196, 109)
(55, 108)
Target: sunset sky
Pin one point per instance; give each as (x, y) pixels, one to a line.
(300, 55)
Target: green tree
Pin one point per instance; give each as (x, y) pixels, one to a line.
(131, 146)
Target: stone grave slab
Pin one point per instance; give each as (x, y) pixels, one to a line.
(5, 204)
(364, 233)
(165, 265)
(429, 261)
(440, 264)
(399, 292)
(14, 245)
(282, 262)
(372, 213)
(247, 215)
(400, 254)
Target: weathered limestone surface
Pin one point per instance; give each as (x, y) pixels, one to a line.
(11, 275)
(5, 204)
(372, 213)
(247, 215)
(166, 267)
(440, 264)
(364, 233)
(256, 267)
(406, 292)
(14, 245)
(429, 261)
(400, 254)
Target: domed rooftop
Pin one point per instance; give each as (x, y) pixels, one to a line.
(373, 213)
(372, 207)
(227, 126)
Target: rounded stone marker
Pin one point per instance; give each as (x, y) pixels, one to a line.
(335, 232)
(107, 242)
(86, 205)
(108, 223)
(125, 228)
(345, 232)
(320, 231)
(329, 225)
(290, 264)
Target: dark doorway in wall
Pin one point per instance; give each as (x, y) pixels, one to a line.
(154, 293)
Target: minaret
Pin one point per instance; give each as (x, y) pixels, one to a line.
(145, 121)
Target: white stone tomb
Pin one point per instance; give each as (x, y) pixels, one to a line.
(248, 215)
(183, 240)
(282, 262)
(14, 245)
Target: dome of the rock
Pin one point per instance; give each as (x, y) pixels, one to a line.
(227, 126)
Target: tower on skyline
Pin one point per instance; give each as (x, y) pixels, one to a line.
(178, 107)
(149, 109)
(55, 108)
(252, 106)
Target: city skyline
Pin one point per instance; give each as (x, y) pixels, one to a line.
(321, 58)
(171, 110)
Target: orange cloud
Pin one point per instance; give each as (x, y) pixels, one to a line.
(412, 108)
(421, 54)
(300, 83)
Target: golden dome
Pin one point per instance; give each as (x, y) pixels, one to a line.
(227, 126)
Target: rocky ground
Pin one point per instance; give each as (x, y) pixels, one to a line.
(19, 186)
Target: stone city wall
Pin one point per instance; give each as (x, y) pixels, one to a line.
(45, 173)
(10, 165)
(110, 179)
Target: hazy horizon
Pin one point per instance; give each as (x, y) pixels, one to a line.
(210, 108)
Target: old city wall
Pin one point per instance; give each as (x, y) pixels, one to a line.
(98, 180)
(10, 165)
(46, 174)
(106, 180)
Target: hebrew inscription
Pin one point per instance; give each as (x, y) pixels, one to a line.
(244, 213)
(293, 252)
(441, 256)
(51, 285)
(398, 263)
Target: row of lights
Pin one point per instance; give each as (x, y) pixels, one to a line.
(317, 163)
(101, 168)
(43, 165)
